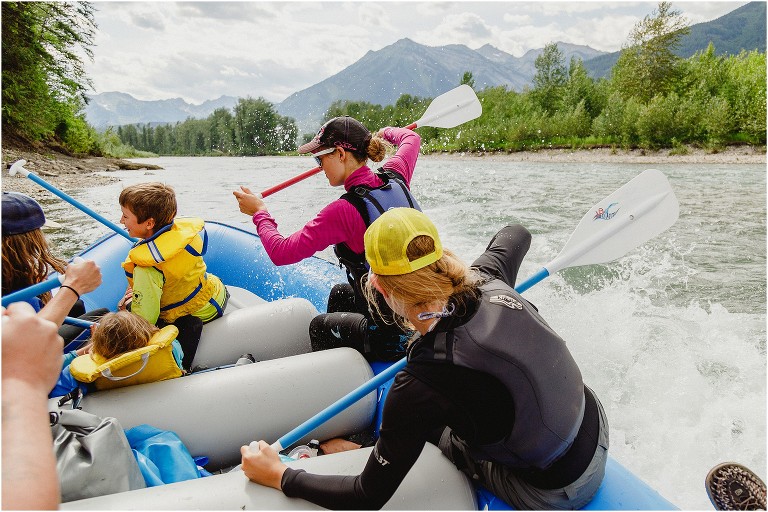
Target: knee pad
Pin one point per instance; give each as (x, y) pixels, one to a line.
(333, 330)
(341, 298)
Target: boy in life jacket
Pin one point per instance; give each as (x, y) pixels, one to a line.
(124, 350)
(167, 278)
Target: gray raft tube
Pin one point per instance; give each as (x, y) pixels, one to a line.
(433, 483)
(266, 330)
(215, 413)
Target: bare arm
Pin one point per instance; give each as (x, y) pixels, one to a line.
(30, 365)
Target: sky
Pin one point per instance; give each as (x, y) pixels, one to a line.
(199, 51)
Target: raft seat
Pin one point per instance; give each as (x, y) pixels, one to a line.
(266, 330)
(240, 298)
(215, 413)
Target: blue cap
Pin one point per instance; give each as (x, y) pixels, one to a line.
(21, 214)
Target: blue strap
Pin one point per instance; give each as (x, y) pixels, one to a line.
(182, 302)
(191, 250)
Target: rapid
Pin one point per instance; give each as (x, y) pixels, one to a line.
(672, 337)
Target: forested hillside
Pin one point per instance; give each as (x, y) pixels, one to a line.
(44, 83)
(741, 29)
(652, 99)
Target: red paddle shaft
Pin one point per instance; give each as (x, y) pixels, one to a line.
(303, 176)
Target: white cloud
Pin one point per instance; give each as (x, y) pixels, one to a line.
(201, 50)
(517, 19)
(464, 28)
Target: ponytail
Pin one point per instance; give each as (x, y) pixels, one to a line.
(447, 278)
(378, 148)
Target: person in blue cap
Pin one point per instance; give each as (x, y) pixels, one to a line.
(28, 260)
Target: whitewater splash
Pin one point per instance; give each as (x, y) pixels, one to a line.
(683, 385)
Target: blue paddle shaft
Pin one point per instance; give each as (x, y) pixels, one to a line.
(85, 324)
(31, 291)
(534, 279)
(341, 404)
(114, 227)
(362, 390)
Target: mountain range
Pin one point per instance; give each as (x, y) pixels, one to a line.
(119, 108)
(406, 67)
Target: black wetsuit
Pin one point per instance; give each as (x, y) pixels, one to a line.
(424, 398)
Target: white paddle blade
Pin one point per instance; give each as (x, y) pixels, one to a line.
(641, 209)
(452, 108)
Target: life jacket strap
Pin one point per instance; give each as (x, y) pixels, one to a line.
(107, 373)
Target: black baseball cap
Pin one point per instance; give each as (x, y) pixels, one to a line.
(344, 132)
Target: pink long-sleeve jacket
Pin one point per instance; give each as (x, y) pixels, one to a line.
(339, 221)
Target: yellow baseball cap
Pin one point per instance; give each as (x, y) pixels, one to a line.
(387, 238)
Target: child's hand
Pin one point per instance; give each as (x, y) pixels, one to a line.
(85, 349)
(249, 202)
(123, 303)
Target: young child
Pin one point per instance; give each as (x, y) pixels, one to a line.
(166, 272)
(115, 357)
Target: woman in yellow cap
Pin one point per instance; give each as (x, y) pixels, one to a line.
(487, 380)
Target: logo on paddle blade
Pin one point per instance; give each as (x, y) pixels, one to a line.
(606, 214)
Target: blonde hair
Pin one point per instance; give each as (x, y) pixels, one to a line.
(448, 277)
(152, 200)
(121, 332)
(27, 260)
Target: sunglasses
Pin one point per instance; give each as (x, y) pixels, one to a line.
(321, 153)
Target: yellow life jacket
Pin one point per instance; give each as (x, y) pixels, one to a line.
(151, 363)
(177, 252)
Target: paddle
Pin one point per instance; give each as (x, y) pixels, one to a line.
(635, 213)
(448, 110)
(18, 167)
(85, 324)
(33, 290)
(36, 289)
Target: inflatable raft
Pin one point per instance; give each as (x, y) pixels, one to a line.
(214, 413)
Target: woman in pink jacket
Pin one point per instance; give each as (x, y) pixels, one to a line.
(342, 147)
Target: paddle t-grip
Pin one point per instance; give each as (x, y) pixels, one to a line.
(18, 167)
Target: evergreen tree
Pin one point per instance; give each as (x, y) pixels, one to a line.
(468, 79)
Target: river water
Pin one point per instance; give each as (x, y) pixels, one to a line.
(672, 337)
